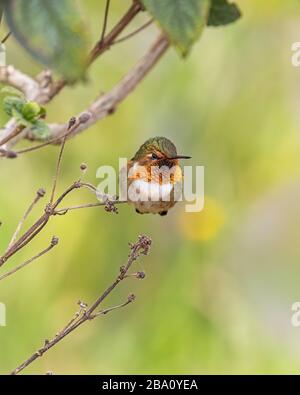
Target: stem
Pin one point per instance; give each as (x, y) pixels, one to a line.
(40, 193)
(105, 43)
(5, 38)
(64, 210)
(15, 133)
(105, 20)
(52, 245)
(130, 35)
(141, 247)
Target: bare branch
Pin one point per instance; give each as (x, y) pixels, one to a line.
(141, 247)
(83, 117)
(106, 203)
(37, 90)
(106, 104)
(132, 34)
(39, 194)
(73, 123)
(105, 43)
(130, 299)
(15, 131)
(51, 210)
(29, 86)
(53, 243)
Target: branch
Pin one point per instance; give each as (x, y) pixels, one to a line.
(50, 211)
(132, 34)
(43, 89)
(5, 38)
(54, 242)
(39, 194)
(104, 43)
(51, 208)
(141, 247)
(34, 89)
(109, 206)
(73, 124)
(29, 86)
(106, 104)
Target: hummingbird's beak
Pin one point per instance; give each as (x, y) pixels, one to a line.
(181, 157)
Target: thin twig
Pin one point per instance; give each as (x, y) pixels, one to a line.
(64, 210)
(119, 306)
(51, 210)
(36, 228)
(39, 194)
(72, 123)
(80, 120)
(15, 133)
(51, 207)
(130, 35)
(107, 104)
(33, 90)
(39, 146)
(105, 20)
(5, 38)
(27, 236)
(53, 243)
(141, 247)
(105, 43)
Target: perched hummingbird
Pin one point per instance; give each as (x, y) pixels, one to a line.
(152, 174)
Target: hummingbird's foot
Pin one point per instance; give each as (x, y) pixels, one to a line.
(162, 213)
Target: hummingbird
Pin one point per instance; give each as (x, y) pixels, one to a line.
(152, 175)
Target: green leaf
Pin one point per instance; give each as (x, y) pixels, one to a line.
(42, 113)
(182, 20)
(17, 114)
(222, 13)
(51, 31)
(11, 104)
(40, 129)
(31, 110)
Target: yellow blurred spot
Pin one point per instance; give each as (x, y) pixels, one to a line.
(206, 224)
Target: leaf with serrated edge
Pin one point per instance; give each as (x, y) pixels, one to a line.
(182, 20)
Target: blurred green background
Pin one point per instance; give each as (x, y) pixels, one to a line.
(220, 284)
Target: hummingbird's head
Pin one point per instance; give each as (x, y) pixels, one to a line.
(158, 151)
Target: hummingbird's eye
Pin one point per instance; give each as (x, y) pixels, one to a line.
(154, 156)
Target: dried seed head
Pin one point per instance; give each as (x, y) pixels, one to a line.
(140, 275)
(54, 241)
(144, 243)
(82, 305)
(110, 207)
(41, 192)
(83, 166)
(131, 298)
(72, 122)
